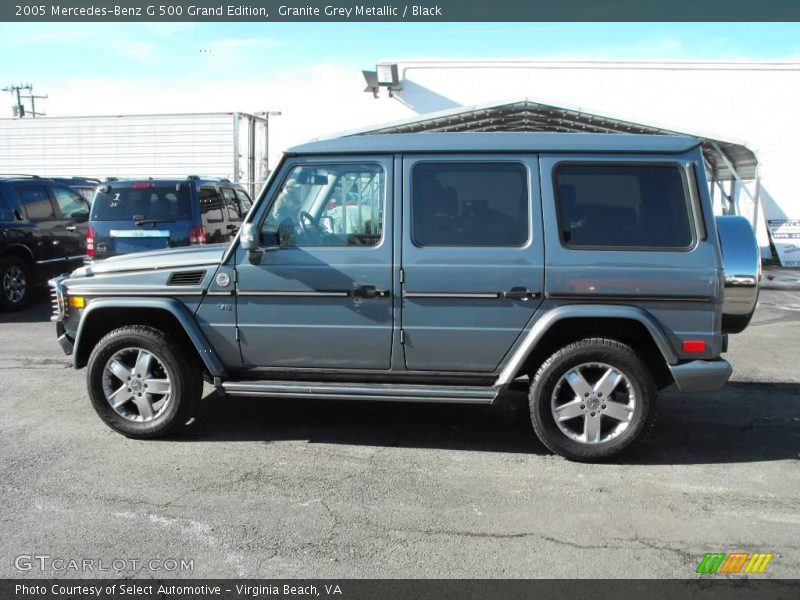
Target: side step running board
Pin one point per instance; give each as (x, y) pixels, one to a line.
(361, 391)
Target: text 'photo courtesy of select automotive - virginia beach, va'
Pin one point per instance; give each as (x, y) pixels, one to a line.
(399, 301)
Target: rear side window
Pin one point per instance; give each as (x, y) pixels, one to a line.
(129, 203)
(231, 206)
(469, 204)
(6, 212)
(623, 206)
(36, 201)
(244, 202)
(210, 205)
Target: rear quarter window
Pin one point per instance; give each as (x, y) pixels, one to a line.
(616, 206)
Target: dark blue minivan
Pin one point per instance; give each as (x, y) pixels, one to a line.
(150, 214)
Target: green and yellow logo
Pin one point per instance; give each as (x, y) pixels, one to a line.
(734, 562)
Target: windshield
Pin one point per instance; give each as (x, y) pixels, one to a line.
(145, 203)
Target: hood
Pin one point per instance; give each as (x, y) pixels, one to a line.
(157, 259)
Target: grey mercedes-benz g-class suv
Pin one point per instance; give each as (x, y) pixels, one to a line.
(435, 267)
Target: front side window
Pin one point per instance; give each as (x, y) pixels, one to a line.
(71, 204)
(469, 204)
(332, 205)
(622, 206)
(36, 201)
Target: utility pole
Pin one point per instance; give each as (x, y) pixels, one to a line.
(19, 107)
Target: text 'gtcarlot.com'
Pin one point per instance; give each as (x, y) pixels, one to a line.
(60, 564)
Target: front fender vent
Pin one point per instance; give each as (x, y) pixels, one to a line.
(186, 278)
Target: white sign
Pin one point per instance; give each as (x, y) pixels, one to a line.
(785, 234)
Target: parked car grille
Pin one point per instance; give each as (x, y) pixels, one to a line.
(186, 278)
(58, 300)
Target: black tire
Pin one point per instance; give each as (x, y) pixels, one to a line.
(11, 269)
(178, 362)
(621, 358)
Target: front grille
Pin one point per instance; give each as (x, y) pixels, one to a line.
(58, 301)
(186, 278)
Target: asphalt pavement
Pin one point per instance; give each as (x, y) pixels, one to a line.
(272, 488)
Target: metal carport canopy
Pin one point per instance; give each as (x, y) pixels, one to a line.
(527, 115)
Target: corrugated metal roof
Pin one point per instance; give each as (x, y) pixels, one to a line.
(530, 116)
(472, 141)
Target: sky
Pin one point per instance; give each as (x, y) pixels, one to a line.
(50, 53)
(312, 71)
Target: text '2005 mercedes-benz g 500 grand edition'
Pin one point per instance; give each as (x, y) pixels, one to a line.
(441, 267)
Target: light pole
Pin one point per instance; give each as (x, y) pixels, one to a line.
(267, 115)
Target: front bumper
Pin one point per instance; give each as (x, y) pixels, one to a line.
(64, 340)
(701, 375)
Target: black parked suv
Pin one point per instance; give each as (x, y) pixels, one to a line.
(139, 215)
(43, 228)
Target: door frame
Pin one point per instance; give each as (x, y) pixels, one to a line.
(388, 162)
(535, 242)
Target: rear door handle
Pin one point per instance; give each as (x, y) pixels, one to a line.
(519, 293)
(71, 228)
(233, 227)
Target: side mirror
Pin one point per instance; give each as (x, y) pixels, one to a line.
(248, 237)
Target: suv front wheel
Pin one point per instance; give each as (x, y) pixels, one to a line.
(592, 400)
(142, 383)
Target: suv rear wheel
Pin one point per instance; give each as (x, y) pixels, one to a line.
(15, 283)
(142, 383)
(592, 400)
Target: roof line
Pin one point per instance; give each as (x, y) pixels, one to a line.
(510, 101)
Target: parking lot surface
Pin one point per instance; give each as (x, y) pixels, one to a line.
(265, 488)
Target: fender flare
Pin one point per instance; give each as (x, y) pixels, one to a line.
(170, 305)
(593, 311)
(13, 249)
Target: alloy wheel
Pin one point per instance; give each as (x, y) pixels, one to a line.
(137, 385)
(593, 403)
(15, 284)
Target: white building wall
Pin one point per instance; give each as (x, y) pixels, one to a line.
(752, 103)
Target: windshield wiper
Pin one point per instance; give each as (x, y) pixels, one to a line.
(152, 221)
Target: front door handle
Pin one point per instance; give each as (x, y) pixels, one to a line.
(519, 293)
(369, 292)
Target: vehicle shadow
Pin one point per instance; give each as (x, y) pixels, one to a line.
(744, 422)
(37, 311)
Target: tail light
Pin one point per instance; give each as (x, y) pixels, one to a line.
(90, 242)
(142, 184)
(693, 346)
(198, 236)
